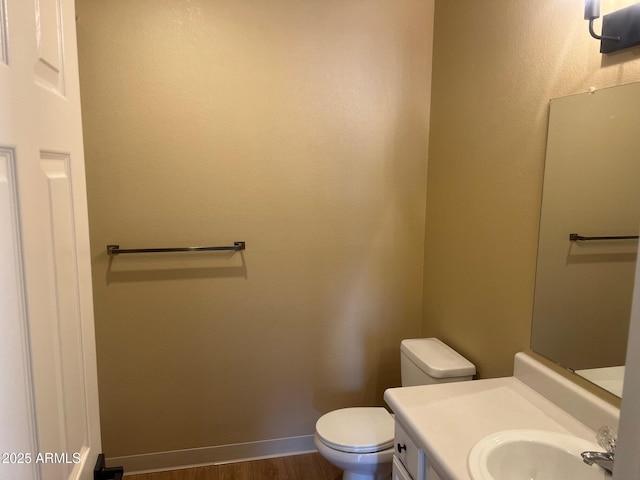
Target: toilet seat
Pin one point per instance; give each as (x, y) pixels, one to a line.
(357, 429)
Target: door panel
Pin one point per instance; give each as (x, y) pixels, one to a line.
(3, 33)
(49, 65)
(49, 350)
(16, 410)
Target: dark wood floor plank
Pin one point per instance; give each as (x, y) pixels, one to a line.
(195, 473)
(309, 466)
(235, 471)
(305, 467)
(141, 476)
(159, 476)
(182, 474)
(207, 473)
(270, 469)
(329, 471)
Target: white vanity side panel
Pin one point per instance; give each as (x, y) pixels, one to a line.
(432, 474)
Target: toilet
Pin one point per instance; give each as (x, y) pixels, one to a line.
(359, 440)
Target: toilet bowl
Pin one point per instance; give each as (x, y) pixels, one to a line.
(359, 440)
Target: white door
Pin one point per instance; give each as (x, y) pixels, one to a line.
(49, 397)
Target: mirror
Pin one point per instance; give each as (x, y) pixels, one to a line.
(584, 286)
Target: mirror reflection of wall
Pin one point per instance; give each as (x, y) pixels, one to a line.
(591, 187)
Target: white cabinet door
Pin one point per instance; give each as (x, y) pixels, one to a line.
(49, 401)
(407, 451)
(399, 472)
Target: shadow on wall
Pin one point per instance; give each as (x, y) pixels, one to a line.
(172, 266)
(360, 357)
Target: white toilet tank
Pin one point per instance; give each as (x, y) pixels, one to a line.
(425, 361)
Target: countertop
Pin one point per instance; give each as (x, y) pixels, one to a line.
(446, 420)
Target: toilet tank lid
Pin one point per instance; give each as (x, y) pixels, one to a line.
(436, 359)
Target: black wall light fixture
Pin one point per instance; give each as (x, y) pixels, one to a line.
(620, 29)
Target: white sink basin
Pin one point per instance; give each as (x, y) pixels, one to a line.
(532, 455)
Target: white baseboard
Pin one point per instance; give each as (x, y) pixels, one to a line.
(193, 457)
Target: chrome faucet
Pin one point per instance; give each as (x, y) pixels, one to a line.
(602, 459)
(606, 439)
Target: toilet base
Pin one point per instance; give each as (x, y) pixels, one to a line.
(362, 466)
(381, 475)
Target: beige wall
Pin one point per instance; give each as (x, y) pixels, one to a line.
(496, 65)
(299, 127)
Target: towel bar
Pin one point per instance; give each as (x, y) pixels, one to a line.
(574, 237)
(116, 250)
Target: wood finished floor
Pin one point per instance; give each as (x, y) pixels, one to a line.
(309, 466)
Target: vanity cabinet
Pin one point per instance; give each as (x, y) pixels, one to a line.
(409, 461)
(436, 426)
(408, 454)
